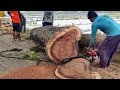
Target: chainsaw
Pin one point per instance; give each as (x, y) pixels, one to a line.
(88, 55)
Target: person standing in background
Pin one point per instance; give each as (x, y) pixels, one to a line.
(48, 18)
(16, 21)
(23, 23)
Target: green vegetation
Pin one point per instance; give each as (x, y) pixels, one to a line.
(68, 17)
(32, 55)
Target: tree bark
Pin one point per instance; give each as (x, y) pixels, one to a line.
(59, 42)
(85, 39)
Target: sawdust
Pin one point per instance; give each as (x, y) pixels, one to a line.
(32, 72)
(111, 72)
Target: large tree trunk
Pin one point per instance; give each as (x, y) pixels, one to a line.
(58, 42)
(85, 39)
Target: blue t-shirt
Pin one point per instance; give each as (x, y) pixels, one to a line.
(107, 25)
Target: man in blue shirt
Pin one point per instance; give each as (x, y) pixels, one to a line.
(111, 43)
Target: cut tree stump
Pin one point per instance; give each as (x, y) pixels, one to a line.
(58, 42)
(75, 69)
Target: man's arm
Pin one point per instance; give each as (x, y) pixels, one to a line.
(93, 36)
(20, 16)
(44, 16)
(9, 12)
(52, 15)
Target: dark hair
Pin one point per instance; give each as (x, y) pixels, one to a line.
(91, 14)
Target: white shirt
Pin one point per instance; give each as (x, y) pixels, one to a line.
(48, 16)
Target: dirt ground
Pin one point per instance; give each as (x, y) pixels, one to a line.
(13, 68)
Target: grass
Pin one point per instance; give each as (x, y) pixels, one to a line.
(68, 17)
(25, 35)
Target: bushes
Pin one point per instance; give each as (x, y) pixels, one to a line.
(30, 55)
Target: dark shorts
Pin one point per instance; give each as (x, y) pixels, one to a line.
(47, 23)
(17, 27)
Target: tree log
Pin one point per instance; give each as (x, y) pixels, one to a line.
(85, 39)
(59, 42)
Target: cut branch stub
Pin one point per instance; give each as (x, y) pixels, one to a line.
(60, 44)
